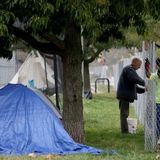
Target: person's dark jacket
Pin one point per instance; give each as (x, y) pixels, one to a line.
(128, 84)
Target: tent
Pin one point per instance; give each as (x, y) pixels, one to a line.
(49, 102)
(29, 125)
(37, 70)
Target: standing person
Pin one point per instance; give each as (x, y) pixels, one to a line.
(127, 90)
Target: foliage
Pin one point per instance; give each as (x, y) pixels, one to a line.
(151, 33)
(132, 38)
(102, 19)
(154, 8)
(158, 52)
(98, 18)
(121, 15)
(47, 16)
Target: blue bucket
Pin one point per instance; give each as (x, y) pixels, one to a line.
(31, 83)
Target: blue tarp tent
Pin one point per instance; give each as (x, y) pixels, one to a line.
(29, 125)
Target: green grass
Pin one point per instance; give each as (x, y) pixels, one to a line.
(103, 125)
(102, 130)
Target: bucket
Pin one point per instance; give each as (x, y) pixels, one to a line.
(31, 83)
(132, 125)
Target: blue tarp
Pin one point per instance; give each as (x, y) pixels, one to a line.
(28, 125)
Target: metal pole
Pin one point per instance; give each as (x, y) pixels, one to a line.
(45, 69)
(56, 81)
(103, 80)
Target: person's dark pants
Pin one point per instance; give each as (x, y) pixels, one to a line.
(158, 119)
(124, 113)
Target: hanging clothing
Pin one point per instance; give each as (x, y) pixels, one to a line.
(155, 77)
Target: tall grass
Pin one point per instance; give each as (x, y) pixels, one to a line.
(102, 130)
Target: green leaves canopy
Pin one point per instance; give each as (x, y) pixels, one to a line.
(41, 19)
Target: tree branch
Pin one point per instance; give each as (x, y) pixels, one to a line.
(94, 56)
(54, 40)
(157, 45)
(45, 47)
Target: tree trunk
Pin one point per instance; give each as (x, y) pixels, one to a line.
(87, 86)
(72, 96)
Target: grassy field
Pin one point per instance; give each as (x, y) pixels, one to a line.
(102, 130)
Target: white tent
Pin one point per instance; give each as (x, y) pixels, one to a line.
(36, 70)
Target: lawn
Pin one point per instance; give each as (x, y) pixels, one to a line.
(102, 130)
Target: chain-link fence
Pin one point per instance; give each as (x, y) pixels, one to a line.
(146, 108)
(152, 110)
(150, 119)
